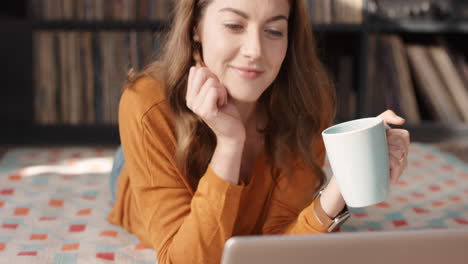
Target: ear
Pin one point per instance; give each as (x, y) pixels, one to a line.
(195, 34)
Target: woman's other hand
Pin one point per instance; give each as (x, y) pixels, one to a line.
(207, 97)
(398, 141)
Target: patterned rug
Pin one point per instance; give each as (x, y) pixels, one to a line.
(53, 204)
(431, 194)
(457, 147)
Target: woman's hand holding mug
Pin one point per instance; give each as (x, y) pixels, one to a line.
(365, 155)
(398, 141)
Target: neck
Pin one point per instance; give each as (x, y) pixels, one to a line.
(246, 111)
(249, 114)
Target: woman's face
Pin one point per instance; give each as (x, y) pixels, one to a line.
(244, 43)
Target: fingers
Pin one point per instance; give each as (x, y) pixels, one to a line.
(397, 143)
(399, 137)
(205, 101)
(403, 133)
(398, 147)
(197, 77)
(393, 169)
(396, 167)
(209, 107)
(397, 152)
(204, 90)
(190, 92)
(390, 117)
(205, 94)
(223, 96)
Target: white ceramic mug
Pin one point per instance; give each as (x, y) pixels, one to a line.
(358, 155)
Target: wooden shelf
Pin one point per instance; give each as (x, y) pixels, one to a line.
(18, 99)
(431, 132)
(419, 27)
(13, 24)
(371, 27)
(60, 134)
(157, 26)
(338, 28)
(99, 25)
(428, 132)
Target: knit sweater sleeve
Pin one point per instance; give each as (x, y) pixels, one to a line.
(293, 209)
(183, 225)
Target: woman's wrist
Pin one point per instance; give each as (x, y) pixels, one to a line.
(226, 160)
(230, 143)
(331, 200)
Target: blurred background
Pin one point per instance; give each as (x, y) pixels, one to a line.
(64, 62)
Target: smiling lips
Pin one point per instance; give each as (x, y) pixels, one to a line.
(248, 73)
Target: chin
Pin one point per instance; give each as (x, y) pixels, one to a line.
(245, 93)
(245, 100)
(245, 97)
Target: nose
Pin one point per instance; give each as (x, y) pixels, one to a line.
(252, 45)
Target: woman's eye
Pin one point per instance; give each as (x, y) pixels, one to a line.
(274, 32)
(233, 26)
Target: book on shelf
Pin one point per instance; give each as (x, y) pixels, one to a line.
(79, 75)
(431, 85)
(347, 11)
(45, 77)
(408, 101)
(86, 47)
(380, 88)
(382, 91)
(340, 64)
(389, 78)
(453, 81)
(99, 10)
(346, 94)
(64, 76)
(336, 11)
(419, 82)
(462, 67)
(396, 11)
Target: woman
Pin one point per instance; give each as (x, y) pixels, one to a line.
(222, 135)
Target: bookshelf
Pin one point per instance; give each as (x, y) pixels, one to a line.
(98, 25)
(17, 103)
(420, 28)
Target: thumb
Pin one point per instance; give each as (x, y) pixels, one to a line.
(223, 98)
(398, 120)
(391, 118)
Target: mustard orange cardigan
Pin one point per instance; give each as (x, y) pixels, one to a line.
(156, 203)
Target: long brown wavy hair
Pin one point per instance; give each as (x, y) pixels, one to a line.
(299, 104)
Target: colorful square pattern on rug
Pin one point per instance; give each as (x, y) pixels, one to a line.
(54, 203)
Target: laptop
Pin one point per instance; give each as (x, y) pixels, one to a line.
(432, 246)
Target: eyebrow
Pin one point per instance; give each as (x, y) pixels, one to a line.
(244, 15)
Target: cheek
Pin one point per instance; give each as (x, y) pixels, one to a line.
(283, 48)
(276, 54)
(217, 50)
(222, 49)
